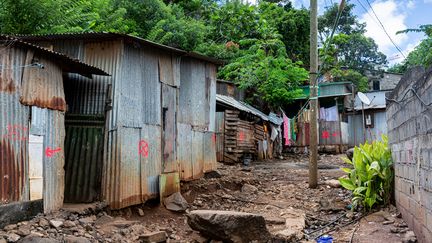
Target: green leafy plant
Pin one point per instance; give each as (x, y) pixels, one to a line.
(371, 178)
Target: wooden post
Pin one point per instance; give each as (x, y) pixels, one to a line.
(313, 147)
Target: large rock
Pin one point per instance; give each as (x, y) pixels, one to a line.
(176, 203)
(350, 153)
(229, 226)
(294, 224)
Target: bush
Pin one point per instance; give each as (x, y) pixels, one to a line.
(371, 178)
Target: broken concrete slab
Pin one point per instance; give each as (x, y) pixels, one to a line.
(159, 236)
(176, 203)
(56, 223)
(229, 226)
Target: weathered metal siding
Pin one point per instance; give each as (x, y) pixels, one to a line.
(329, 133)
(43, 87)
(355, 128)
(135, 159)
(209, 148)
(169, 104)
(14, 119)
(220, 128)
(184, 156)
(211, 95)
(13, 149)
(193, 98)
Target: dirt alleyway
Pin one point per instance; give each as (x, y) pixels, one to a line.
(268, 188)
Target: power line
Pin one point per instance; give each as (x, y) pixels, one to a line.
(385, 31)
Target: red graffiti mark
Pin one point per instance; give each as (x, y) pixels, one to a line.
(335, 134)
(17, 132)
(325, 134)
(214, 138)
(143, 149)
(49, 152)
(241, 136)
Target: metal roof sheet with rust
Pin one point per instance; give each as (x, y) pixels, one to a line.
(230, 101)
(68, 64)
(110, 36)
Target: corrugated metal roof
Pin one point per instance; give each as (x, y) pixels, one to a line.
(230, 101)
(275, 119)
(377, 99)
(69, 64)
(111, 35)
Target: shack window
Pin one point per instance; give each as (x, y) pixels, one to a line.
(376, 85)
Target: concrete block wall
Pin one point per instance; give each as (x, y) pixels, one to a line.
(409, 121)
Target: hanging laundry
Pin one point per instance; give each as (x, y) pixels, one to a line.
(322, 113)
(274, 133)
(331, 114)
(287, 134)
(293, 130)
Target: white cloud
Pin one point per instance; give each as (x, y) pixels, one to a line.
(411, 4)
(393, 20)
(428, 1)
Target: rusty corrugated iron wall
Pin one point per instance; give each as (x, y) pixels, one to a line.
(14, 118)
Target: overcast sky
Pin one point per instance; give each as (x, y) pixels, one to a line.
(395, 15)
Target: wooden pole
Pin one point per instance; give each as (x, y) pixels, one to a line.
(313, 146)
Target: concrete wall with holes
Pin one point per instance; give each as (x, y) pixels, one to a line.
(409, 121)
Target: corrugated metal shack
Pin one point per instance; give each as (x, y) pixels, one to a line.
(333, 129)
(132, 136)
(375, 123)
(241, 130)
(32, 128)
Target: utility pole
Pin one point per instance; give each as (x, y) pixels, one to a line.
(313, 146)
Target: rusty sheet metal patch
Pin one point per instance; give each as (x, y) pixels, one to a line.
(169, 183)
(43, 87)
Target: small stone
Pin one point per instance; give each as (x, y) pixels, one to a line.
(394, 230)
(249, 189)
(333, 183)
(349, 215)
(140, 212)
(2, 240)
(87, 220)
(159, 236)
(74, 239)
(409, 237)
(43, 223)
(37, 238)
(56, 223)
(12, 237)
(388, 222)
(10, 227)
(176, 203)
(401, 225)
(23, 230)
(69, 224)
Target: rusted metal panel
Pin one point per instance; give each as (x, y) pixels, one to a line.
(209, 148)
(329, 133)
(193, 96)
(169, 183)
(184, 156)
(139, 87)
(211, 94)
(166, 69)
(13, 149)
(11, 61)
(83, 158)
(151, 163)
(43, 87)
(54, 161)
(169, 106)
(220, 125)
(197, 154)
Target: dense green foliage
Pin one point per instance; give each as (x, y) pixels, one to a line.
(350, 54)
(421, 55)
(265, 46)
(371, 178)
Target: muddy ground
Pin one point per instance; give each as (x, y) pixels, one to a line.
(269, 188)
